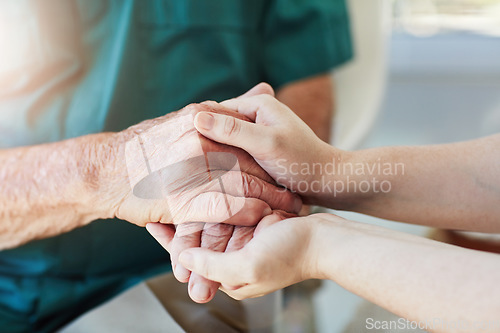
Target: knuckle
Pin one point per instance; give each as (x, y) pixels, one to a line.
(246, 184)
(218, 230)
(216, 206)
(193, 108)
(231, 127)
(252, 187)
(282, 200)
(165, 218)
(266, 99)
(210, 104)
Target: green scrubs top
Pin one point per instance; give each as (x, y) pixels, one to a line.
(74, 67)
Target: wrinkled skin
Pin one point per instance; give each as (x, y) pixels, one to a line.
(188, 201)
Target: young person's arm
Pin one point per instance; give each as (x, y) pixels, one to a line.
(452, 186)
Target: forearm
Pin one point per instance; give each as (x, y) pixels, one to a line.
(49, 189)
(415, 278)
(455, 186)
(312, 100)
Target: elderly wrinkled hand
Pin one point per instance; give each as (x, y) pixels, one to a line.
(162, 170)
(216, 236)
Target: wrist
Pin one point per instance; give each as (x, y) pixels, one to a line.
(329, 238)
(330, 185)
(99, 174)
(348, 180)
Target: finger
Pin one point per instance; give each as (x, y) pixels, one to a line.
(187, 235)
(278, 198)
(200, 289)
(227, 268)
(240, 237)
(246, 162)
(214, 237)
(232, 131)
(259, 89)
(259, 109)
(216, 207)
(163, 233)
(249, 186)
(211, 106)
(262, 88)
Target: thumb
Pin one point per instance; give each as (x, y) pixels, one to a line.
(225, 268)
(231, 131)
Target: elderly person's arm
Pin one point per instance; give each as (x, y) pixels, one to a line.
(53, 188)
(49, 189)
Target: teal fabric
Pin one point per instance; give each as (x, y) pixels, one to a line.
(102, 65)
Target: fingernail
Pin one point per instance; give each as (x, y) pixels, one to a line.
(181, 273)
(186, 259)
(297, 205)
(200, 292)
(205, 121)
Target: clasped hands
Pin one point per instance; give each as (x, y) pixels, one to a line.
(190, 191)
(215, 177)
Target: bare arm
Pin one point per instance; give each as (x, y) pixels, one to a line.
(454, 186)
(450, 289)
(49, 189)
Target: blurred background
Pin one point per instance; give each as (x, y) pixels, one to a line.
(424, 72)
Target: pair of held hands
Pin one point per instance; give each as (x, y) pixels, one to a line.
(197, 196)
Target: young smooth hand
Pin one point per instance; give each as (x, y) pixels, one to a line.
(218, 238)
(282, 252)
(280, 142)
